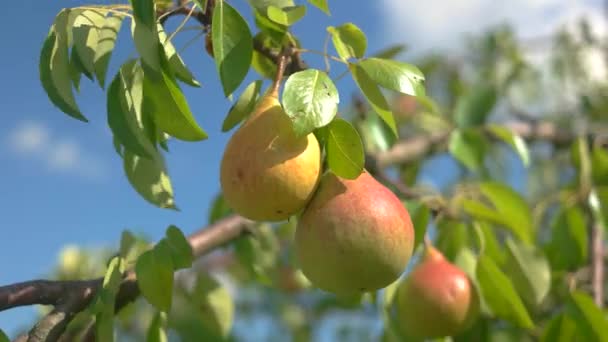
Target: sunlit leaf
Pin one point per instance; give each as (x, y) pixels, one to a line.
(310, 99)
(125, 117)
(106, 42)
(85, 33)
(150, 179)
(529, 271)
(164, 100)
(154, 270)
(243, 106)
(54, 68)
(500, 294)
(349, 41)
(104, 318)
(345, 155)
(181, 251)
(176, 64)
(515, 141)
(232, 46)
(373, 95)
(394, 75)
(147, 44)
(321, 4)
(287, 15)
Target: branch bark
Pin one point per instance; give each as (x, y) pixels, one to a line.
(597, 264)
(71, 297)
(412, 149)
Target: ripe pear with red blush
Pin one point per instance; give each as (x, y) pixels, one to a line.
(354, 236)
(436, 299)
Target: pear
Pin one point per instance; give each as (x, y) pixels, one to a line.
(436, 299)
(267, 172)
(354, 236)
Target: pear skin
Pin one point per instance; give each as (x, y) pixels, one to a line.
(436, 299)
(267, 172)
(354, 236)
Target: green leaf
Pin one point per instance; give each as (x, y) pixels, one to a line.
(147, 44)
(320, 4)
(599, 165)
(529, 271)
(394, 75)
(216, 304)
(598, 203)
(76, 70)
(421, 216)
(127, 241)
(149, 178)
(567, 248)
(144, 12)
(376, 135)
(468, 147)
(560, 329)
(164, 100)
(510, 209)
(219, 209)
(287, 15)
(466, 260)
(104, 318)
(590, 320)
(243, 106)
(515, 141)
(373, 95)
(452, 237)
(345, 155)
(232, 46)
(349, 41)
(54, 68)
(176, 64)
(156, 330)
(259, 253)
(85, 34)
(500, 294)
(154, 270)
(181, 251)
(125, 116)
(3, 337)
(473, 108)
(390, 52)
(491, 245)
(106, 42)
(202, 4)
(310, 99)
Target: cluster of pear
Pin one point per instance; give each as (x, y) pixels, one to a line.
(352, 236)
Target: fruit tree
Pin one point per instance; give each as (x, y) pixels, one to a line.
(454, 197)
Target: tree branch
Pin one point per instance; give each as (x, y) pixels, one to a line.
(71, 297)
(411, 149)
(597, 264)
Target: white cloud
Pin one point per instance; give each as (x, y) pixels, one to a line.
(433, 24)
(34, 140)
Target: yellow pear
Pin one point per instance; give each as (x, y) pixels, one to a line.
(267, 172)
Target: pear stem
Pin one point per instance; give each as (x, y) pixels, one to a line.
(279, 76)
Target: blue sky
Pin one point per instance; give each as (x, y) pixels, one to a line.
(62, 182)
